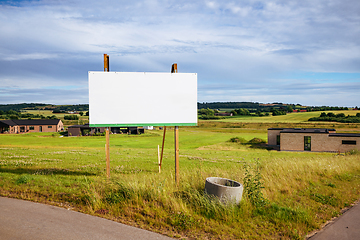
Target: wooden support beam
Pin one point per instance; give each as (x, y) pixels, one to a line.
(162, 149)
(176, 133)
(106, 63)
(159, 159)
(174, 68)
(107, 145)
(107, 151)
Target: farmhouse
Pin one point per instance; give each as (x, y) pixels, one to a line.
(25, 126)
(312, 139)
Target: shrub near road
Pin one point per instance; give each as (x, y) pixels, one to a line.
(299, 191)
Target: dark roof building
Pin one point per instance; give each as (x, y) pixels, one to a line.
(36, 125)
(84, 130)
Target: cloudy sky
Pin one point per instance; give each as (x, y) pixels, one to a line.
(305, 52)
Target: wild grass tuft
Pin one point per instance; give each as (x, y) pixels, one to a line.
(23, 179)
(353, 152)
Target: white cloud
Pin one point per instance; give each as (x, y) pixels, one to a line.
(226, 42)
(30, 56)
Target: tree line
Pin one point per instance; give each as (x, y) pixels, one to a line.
(340, 117)
(43, 106)
(11, 114)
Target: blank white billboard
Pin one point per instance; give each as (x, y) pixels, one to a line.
(142, 99)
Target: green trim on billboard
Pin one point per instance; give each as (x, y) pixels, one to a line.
(143, 124)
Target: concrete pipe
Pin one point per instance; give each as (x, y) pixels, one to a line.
(225, 189)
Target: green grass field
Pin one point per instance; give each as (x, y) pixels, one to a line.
(301, 190)
(288, 118)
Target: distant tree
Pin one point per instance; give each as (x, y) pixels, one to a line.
(323, 114)
(13, 116)
(87, 113)
(57, 110)
(340, 115)
(242, 111)
(277, 112)
(81, 113)
(289, 108)
(71, 117)
(207, 112)
(330, 114)
(12, 112)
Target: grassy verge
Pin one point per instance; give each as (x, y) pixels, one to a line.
(301, 190)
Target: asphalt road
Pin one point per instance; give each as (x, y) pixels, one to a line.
(21, 219)
(345, 227)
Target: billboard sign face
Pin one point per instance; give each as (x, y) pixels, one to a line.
(142, 99)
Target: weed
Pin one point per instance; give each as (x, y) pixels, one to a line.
(353, 152)
(279, 214)
(120, 194)
(181, 221)
(344, 176)
(23, 179)
(253, 184)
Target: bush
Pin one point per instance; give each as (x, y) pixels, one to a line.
(238, 140)
(256, 141)
(71, 117)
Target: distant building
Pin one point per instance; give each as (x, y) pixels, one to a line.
(36, 125)
(312, 139)
(85, 130)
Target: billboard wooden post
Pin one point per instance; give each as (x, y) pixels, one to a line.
(107, 150)
(106, 63)
(176, 133)
(107, 146)
(176, 140)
